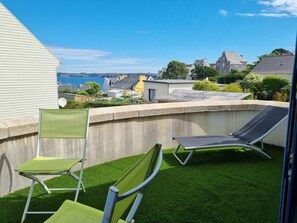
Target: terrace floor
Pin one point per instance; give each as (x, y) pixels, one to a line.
(216, 186)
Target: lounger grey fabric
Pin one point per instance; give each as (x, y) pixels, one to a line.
(254, 131)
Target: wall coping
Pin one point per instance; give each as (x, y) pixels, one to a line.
(28, 125)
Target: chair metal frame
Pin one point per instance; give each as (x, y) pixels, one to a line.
(113, 195)
(130, 186)
(239, 143)
(32, 176)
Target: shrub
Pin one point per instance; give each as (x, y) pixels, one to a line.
(101, 103)
(83, 93)
(231, 77)
(281, 96)
(206, 85)
(233, 87)
(71, 104)
(253, 83)
(67, 90)
(273, 84)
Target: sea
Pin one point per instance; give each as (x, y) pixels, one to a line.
(62, 80)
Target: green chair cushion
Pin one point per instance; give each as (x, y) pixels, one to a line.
(74, 212)
(47, 165)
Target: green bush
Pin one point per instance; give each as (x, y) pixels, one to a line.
(233, 87)
(271, 85)
(252, 83)
(83, 93)
(206, 85)
(71, 104)
(231, 77)
(101, 103)
(67, 90)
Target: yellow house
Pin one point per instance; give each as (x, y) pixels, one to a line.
(139, 87)
(131, 85)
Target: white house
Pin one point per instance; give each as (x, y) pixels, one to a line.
(28, 79)
(156, 88)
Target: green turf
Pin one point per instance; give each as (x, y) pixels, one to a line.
(216, 186)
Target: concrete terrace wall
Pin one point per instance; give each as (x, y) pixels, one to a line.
(117, 132)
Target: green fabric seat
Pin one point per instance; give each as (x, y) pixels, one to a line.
(55, 126)
(126, 193)
(74, 212)
(47, 165)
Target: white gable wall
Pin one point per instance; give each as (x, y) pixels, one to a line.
(28, 79)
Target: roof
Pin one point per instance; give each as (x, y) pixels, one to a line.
(126, 83)
(193, 95)
(233, 56)
(275, 64)
(171, 81)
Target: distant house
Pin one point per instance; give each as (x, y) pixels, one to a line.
(130, 85)
(28, 79)
(230, 61)
(275, 65)
(156, 88)
(191, 69)
(160, 72)
(203, 62)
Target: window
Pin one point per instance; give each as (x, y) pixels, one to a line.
(152, 94)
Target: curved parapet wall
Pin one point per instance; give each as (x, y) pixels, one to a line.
(117, 132)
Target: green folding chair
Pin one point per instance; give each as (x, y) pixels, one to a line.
(120, 196)
(57, 124)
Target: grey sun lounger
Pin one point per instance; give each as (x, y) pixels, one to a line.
(254, 131)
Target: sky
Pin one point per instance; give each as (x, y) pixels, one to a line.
(98, 36)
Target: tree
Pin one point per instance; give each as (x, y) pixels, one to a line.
(93, 88)
(206, 85)
(203, 72)
(175, 70)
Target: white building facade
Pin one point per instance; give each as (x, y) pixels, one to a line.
(156, 88)
(28, 79)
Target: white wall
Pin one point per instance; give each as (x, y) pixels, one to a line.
(161, 89)
(164, 88)
(28, 79)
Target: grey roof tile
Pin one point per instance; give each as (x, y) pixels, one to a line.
(275, 64)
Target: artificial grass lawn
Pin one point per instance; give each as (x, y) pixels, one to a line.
(216, 186)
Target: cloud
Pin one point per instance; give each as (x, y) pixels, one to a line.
(223, 12)
(275, 8)
(77, 54)
(275, 15)
(91, 60)
(281, 6)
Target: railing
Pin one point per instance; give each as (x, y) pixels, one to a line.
(117, 132)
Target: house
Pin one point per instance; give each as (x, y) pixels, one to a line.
(27, 70)
(160, 72)
(157, 88)
(230, 61)
(191, 70)
(130, 85)
(115, 93)
(275, 65)
(203, 62)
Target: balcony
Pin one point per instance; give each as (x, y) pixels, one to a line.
(217, 186)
